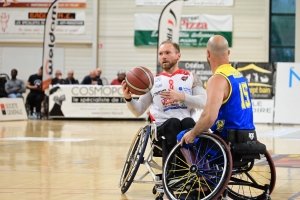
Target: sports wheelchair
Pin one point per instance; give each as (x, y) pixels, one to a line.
(210, 168)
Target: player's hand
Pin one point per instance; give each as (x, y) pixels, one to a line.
(125, 89)
(173, 96)
(188, 138)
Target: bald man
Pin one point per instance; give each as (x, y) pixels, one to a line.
(70, 80)
(92, 79)
(58, 78)
(228, 103)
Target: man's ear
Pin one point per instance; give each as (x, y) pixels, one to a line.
(179, 56)
(207, 54)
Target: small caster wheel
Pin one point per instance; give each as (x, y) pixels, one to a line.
(123, 190)
(159, 198)
(154, 190)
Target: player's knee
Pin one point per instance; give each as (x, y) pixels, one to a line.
(173, 121)
(187, 123)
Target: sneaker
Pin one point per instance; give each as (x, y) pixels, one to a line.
(35, 115)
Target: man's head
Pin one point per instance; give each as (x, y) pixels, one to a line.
(58, 74)
(40, 72)
(98, 72)
(217, 50)
(70, 74)
(168, 54)
(14, 73)
(93, 74)
(121, 75)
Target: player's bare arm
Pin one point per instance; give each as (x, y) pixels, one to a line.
(217, 90)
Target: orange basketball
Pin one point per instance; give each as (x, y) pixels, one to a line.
(139, 80)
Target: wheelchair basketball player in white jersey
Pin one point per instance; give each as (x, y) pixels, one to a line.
(173, 98)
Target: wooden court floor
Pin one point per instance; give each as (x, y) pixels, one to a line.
(83, 159)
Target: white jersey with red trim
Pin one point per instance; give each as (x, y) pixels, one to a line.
(161, 110)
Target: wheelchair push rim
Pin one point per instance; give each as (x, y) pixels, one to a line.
(134, 158)
(251, 184)
(200, 171)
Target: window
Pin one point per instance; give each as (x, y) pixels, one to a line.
(282, 31)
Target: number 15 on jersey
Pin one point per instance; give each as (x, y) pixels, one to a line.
(245, 98)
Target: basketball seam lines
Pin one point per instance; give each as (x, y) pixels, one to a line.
(138, 89)
(149, 78)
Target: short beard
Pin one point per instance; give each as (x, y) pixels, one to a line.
(169, 66)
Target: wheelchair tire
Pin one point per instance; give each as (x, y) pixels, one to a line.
(135, 157)
(200, 171)
(251, 184)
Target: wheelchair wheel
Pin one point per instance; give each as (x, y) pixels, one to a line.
(134, 158)
(249, 181)
(198, 171)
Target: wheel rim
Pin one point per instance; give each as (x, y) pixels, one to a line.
(251, 184)
(200, 174)
(131, 158)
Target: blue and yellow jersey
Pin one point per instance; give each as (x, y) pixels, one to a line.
(236, 111)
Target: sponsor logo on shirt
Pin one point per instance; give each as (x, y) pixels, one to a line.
(158, 85)
(158, 92)
(187, 90)
(172, 106)
(184, 78)
(157, 79)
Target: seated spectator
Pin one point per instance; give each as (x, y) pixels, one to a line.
(15, 87)
(121, 76)
(91, 79)
(98, 74)
(70, 79)
(36, 95)
(58, 78)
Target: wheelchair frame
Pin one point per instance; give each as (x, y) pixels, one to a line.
(149, 163)
(160, 187)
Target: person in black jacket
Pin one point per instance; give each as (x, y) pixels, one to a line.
(58, 78)
(36, 95)
(70, 80)
(92, 79)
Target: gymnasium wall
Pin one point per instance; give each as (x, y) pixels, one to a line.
(116, 34)
(116, 37)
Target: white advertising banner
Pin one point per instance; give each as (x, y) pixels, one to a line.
(263, 110)
(186, 3)
(287, 96)
(26, 22)
(88, 101)
(170, 22)
(12, 109)
(195, 30)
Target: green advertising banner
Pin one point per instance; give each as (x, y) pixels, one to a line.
(195, 30)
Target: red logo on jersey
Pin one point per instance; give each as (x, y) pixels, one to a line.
(184, 78)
